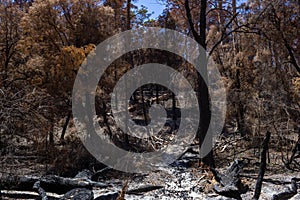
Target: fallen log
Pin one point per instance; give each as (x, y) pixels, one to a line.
(50, 183)
(12, 194)
(78, 194)
(229, 183)
(137, 191)
(144, 189)
(289, 193)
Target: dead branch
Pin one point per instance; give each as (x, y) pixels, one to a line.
(289, 193)
(123, 192)
(295, 151)
(40, 190)
(144, 189)
(22, 195)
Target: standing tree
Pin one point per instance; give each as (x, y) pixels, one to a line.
(203, 96)
(57, 37)
(10, 33)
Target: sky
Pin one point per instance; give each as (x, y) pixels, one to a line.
(153, 6)
(157, 6)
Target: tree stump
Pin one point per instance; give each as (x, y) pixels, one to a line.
(229, 184)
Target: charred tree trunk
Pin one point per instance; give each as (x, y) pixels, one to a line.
(51, 134)
(105, 120)
(157, 93)
(51, 129)
(130, 57)
(144, 106)
(62, 136)
(240, 110)
(128, 7)
(174, 115)
(230, 184)
(263, 166)
(221, 15)
(203, 95)
(203, 23)
(51, 183)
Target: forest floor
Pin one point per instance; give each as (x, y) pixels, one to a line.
(184, 179)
